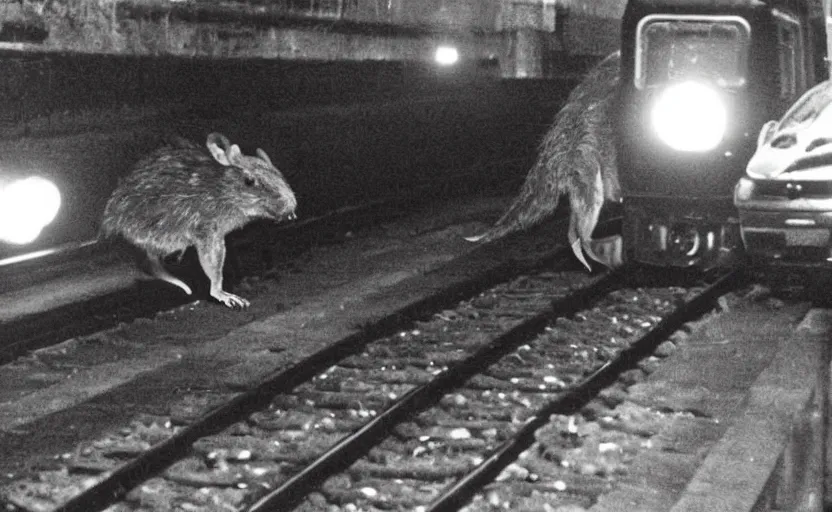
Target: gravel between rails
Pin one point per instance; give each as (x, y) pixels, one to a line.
(229, 470)
(297, 438)
(415, 465)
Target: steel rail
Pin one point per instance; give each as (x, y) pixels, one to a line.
(576, 397)
(346, 451)
(116, 485)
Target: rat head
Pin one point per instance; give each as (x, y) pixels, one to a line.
(801, 140)
(259, 189)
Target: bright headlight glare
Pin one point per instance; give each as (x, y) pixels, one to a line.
(26, 207)
(446, 55)
(690, 116)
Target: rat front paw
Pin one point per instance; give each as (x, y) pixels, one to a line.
(230, 300)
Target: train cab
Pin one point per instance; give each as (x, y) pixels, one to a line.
(698, 80)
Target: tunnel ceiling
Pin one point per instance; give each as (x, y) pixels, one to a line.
(285, 29)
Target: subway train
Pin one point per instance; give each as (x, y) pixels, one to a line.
(699, 78)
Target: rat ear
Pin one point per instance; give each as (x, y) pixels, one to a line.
(235, 156)
(219, 139)
(263, 156)
(217, 144)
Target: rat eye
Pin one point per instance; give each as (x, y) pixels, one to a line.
(250, 181)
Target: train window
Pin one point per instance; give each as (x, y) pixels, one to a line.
(670, 48)
(790, 55)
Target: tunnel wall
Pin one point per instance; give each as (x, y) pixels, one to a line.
(343, 133)
(292, 29)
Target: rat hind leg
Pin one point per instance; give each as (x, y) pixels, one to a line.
(582, 221)
(585, 208)
(575, 240)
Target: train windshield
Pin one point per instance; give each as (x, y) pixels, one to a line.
(672, 48)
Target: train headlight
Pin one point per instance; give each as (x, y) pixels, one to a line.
(26, 207)
(690, 116)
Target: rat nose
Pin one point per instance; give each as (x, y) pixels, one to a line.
(288, 208)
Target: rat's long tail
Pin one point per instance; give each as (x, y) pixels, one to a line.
(569, 160)
(538, 198)
(155, 267)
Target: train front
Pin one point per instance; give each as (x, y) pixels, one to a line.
(698, 79)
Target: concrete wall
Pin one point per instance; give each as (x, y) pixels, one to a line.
(457, 14)
(541, 38)
(345, 132)
(84, 116)
(293, 29)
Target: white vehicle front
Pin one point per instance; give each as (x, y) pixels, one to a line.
(785, 197)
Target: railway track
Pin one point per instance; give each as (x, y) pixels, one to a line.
(418, 410)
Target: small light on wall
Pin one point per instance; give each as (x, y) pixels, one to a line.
(446, 55)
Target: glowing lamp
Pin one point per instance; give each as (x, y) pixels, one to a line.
(26, 207)
(690, 116)
(446, 55)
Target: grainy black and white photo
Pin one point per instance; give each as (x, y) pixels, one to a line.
(415, 255)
